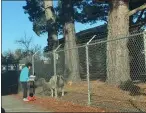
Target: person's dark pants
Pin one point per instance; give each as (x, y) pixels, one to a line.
(32, 88)
(25, 89)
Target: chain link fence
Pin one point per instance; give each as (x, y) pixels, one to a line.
(43, 64)
(90, 63)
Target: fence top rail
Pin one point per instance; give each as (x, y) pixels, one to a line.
(97, 42)
(102, 41)
(130, 36)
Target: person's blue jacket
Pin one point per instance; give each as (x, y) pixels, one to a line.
(24, 75)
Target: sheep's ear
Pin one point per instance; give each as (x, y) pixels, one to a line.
(61, 76)
(58, 76)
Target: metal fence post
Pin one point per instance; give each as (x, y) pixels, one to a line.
(54, 57)
(33, 61)
(144, 38)
(32, 64)
(87, 66)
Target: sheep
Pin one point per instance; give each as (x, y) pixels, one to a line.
(54, 83)
(45, 85)
(60, 83)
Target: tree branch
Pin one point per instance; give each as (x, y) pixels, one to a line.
(140, 16)
(137, 9)
(138, 26)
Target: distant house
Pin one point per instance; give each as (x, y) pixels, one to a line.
(85, 35)
(3, 68)
(9, 67)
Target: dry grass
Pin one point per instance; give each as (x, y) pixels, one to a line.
(103, 98)
(106, 96)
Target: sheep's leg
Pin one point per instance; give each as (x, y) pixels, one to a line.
(55, 92)
(52, 92)
(47, 92)
(62, 90)
(43, 94)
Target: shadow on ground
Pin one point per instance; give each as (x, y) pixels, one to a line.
(133, 89)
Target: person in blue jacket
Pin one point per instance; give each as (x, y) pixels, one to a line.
(24, 77)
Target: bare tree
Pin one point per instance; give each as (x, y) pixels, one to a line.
(25, 42)
(26, 45)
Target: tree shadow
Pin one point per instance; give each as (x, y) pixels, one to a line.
(134, 90)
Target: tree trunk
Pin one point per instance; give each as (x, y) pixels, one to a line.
(52, 40)
(48, 5)
(118, 67)
(71, 53)
(51, 24)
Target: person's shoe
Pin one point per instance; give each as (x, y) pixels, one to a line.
(34, 98)
(29, 98)
(25, 99)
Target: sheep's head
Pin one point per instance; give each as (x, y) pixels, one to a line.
(60, 77)
(60, 80)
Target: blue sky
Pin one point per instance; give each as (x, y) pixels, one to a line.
(15, 23)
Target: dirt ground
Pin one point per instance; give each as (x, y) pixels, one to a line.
(55, 105)
(104, 98)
